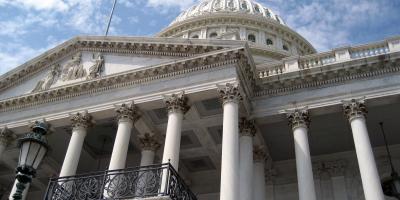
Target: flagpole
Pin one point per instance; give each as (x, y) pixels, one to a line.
(111, 15)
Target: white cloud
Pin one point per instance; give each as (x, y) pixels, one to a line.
(329, 24)
(165, 4)
(15, 54)
(58, 5)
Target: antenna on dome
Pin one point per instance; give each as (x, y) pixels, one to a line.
(111, 15)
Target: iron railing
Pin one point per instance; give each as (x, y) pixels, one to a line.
(140, 182)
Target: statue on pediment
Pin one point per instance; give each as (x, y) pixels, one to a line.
(73, 69)
(97, 68)
(49, 80)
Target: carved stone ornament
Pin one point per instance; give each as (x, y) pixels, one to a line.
(149, 142)
(334, 168)
(81, 120)
(176, 102)
(128, 112)
(259, 154)
(230, 93)
(6, 136)
(73, 69)
(97, 68)
(49, 80)
(299, 118)
(354, 109)
(247, 127)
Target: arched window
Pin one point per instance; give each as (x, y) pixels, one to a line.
(244, 6)
(195, 36)
(269, 42)
(251, 38)
(213, 35)
(257, 9)
(285, 47)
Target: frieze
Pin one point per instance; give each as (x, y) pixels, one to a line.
(129, 78)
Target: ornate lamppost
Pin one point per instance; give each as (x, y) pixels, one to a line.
(33, 148)
(390, 186)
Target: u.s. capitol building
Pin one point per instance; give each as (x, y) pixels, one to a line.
(226, 103)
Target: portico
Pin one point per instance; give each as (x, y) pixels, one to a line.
(206, 120)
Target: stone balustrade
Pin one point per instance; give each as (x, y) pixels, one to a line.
(338, 55)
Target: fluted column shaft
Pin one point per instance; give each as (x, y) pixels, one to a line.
(126, 115)
(230, 143)
(356, 112)
(259, 186)
(247, 132)
(80, 122)
(177, 106)
(299, 122)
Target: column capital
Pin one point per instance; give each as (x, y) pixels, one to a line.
(299, 118)
(81, 120)
(247, 127)
(229, 93)
(259, 154)
(128, 112)
(6, 136)
(149, 142)
(354, 109)
(177, 102)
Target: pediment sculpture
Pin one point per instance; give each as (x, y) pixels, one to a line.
(97, 68)
(73, 69)
(49, 80)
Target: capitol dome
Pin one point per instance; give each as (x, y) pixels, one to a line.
(239, 20)
(208, 7)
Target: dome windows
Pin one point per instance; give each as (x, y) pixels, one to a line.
(213, 35)
(251, 38)
(285, 47)
(195, 36)
(269, 42)
(257, 9)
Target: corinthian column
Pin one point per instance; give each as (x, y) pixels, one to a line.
(80, 123)
(177, 106)
(299, 121)
(230, 142)
(355, 112)
(127, 115)
(247, 132)
(6, 137)
(149, 145)
(259, 187)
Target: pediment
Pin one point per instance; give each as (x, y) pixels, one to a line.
(90, 58)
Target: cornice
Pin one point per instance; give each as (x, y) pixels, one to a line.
(202, 62)
(328, 75)
(125, 45)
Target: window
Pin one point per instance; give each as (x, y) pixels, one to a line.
(213, 35)
(285, 47)
(251, 38)
(257, 8)
(195, 36)
(269, 42)
(244, 6)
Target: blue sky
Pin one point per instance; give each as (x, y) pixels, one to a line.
(30, 27)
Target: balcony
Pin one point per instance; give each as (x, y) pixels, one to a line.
(150, 182)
